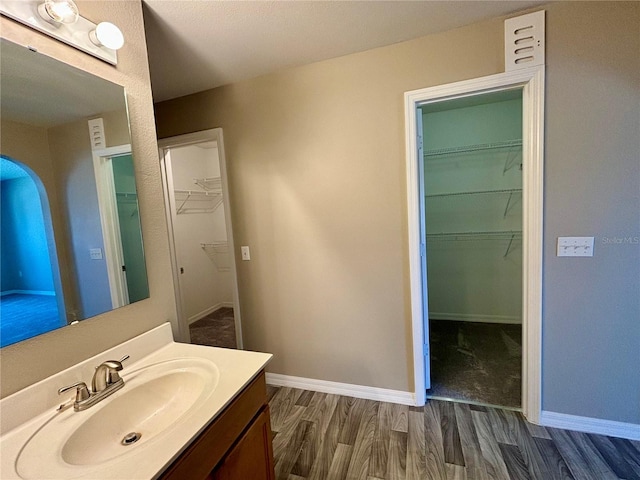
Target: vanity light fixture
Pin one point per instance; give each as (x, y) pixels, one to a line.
(107, 34)
(59, 11)
(61, 20)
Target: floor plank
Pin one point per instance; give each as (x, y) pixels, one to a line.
(502, 428)
(556, 466)
(456, 472)
(614, 459)
(434, 444)
(450, 435)
(630, 454)
(361, 453)
(352, 423)
(570, 454)
(281, 442)
(281, 404)
(473, 459)
(289, 455)
(496, 469)
(596, 463)
(416, 446)
(380, 447)
(537, 431)
(514, 461)
(528, 448)
(399, 418)
(340, 463)
(329, 443)
(397, 467)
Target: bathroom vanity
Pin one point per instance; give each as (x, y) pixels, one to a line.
(237, 445)
(185, 411)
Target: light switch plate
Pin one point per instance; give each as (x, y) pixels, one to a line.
(575, 247)
(246, 254)
(95, 253)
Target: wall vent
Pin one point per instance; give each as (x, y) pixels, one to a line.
(524, 41)
(96, 134)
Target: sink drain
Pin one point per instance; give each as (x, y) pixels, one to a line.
(131, 438)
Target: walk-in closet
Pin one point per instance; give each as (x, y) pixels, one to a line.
(202, 249)
(472, 150)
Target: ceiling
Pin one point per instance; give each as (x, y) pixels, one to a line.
(196, 45)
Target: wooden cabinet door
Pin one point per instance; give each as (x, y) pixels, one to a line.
(252, 457)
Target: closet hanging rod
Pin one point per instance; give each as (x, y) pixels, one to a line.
(476, 192)
(209, 183)
(197, 193)
(473, 148)
(497, 235)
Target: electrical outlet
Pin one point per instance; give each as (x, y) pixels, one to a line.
(575, 247)
(246, 254)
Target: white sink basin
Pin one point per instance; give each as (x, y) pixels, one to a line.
(154, 399)
(172, 392)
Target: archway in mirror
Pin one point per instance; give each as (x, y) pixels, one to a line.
(31, 302)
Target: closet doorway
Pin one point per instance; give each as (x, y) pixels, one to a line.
(472, 183)
(201, 238)
(475, 233)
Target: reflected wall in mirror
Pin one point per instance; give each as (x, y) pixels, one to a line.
(71, 243)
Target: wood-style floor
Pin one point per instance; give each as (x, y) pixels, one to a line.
(329, 437)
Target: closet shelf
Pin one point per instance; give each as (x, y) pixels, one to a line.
(473, 148)
(489, 235)
(196, 201)
(505, 235)
(218, 253)
(211, 184)
(477, 192)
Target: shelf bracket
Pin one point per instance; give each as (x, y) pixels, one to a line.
(513, 235)
(510, 161)
(179, 209)
(506, 209)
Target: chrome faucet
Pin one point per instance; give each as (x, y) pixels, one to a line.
(105, 381)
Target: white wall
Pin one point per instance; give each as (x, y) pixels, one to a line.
(205, 284)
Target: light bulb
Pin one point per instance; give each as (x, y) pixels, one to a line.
(59, 11)
(108, 35)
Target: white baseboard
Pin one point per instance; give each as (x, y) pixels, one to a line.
(48, 293)
(346, 389)
(207, 311)
(590, 425)
(471, 317)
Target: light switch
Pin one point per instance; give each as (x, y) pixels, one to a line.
(95, 253)
(575, 247)
(246, 254)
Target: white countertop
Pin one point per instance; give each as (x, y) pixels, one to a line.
(24, 413)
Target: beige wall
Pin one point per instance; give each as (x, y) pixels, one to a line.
(35, 359)
(317, 173)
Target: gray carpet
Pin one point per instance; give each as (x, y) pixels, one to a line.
(24, 316)
(215, 330)
(476, 362)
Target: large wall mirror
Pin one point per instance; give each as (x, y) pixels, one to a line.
(71, 243)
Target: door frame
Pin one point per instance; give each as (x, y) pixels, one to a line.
(107, 205)
(164, 146)
(531, 80)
